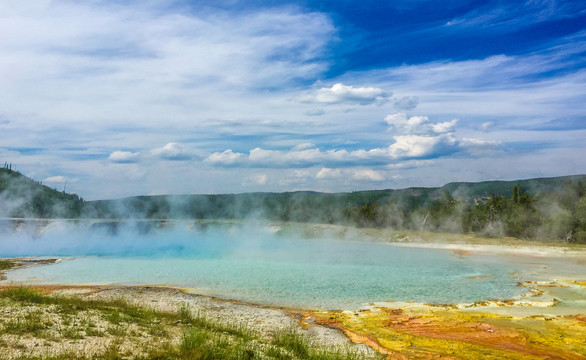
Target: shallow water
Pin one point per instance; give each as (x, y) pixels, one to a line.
(256, 264)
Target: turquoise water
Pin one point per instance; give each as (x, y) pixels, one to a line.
(258, 265)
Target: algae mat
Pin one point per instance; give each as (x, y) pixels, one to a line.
(540, 328)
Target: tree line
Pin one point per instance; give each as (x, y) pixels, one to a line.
(555, 208)
(560, 216)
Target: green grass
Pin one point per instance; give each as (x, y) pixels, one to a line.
(290, 340)
(6, 265)
(116, 311)
(180, 335)
(290, 344)
(30, 323)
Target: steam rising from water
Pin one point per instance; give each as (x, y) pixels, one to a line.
(258, 263)
(129, 239)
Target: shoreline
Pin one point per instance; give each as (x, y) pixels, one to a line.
(386, 326)
(520, 250)
(534, 296)
(265, 320)
(380, 326)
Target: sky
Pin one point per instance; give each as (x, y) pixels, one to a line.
(109, 99)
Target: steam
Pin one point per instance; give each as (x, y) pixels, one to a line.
(550, 209)
(275, 263)
(135, 238)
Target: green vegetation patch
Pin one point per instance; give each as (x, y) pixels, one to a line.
(35, 323)
(6, 265)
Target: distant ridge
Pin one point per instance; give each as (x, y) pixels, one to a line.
(551, 208)
(310, 206)
(29, 198)
(533, 187)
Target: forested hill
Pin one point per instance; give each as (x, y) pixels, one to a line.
(546, 208)
(21, 197)
(543, 208)
(306, 206)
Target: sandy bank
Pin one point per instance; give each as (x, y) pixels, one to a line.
(519, 250)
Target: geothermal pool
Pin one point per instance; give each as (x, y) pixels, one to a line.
(258, 264)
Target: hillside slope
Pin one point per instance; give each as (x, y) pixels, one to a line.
(22, 197)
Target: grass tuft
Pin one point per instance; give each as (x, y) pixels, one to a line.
(6, 265)
(23, 294)
(292, 341)
(32, 322)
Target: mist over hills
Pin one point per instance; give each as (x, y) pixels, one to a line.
(22, 197)
(541, 208)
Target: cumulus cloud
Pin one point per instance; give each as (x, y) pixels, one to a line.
(227, 157)
(444, 127)
(346, 94)
(407, 103)
(328, 173)
(133, 66)
(416, 146)
(368, 174)
(404, 147)
(123, 157)
(173, 151)
(418, 124)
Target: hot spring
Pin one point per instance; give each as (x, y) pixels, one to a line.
(262, 264)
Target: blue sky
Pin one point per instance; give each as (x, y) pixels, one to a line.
(120, 98)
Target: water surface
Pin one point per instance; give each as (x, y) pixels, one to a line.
(256, 264)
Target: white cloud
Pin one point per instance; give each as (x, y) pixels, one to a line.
(368, 174)
(404, 147)
(227, 157)
(346, 94)
(260, 179)
(355, 174)
(123, 157)
(55, 179)
(418, 124)
(277, 157)
(328, 173)
(138, 64)
(173, 151)
(416, 146)
(444, 127)
(116, 76)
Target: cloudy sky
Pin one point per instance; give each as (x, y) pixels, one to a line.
(120, 98)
